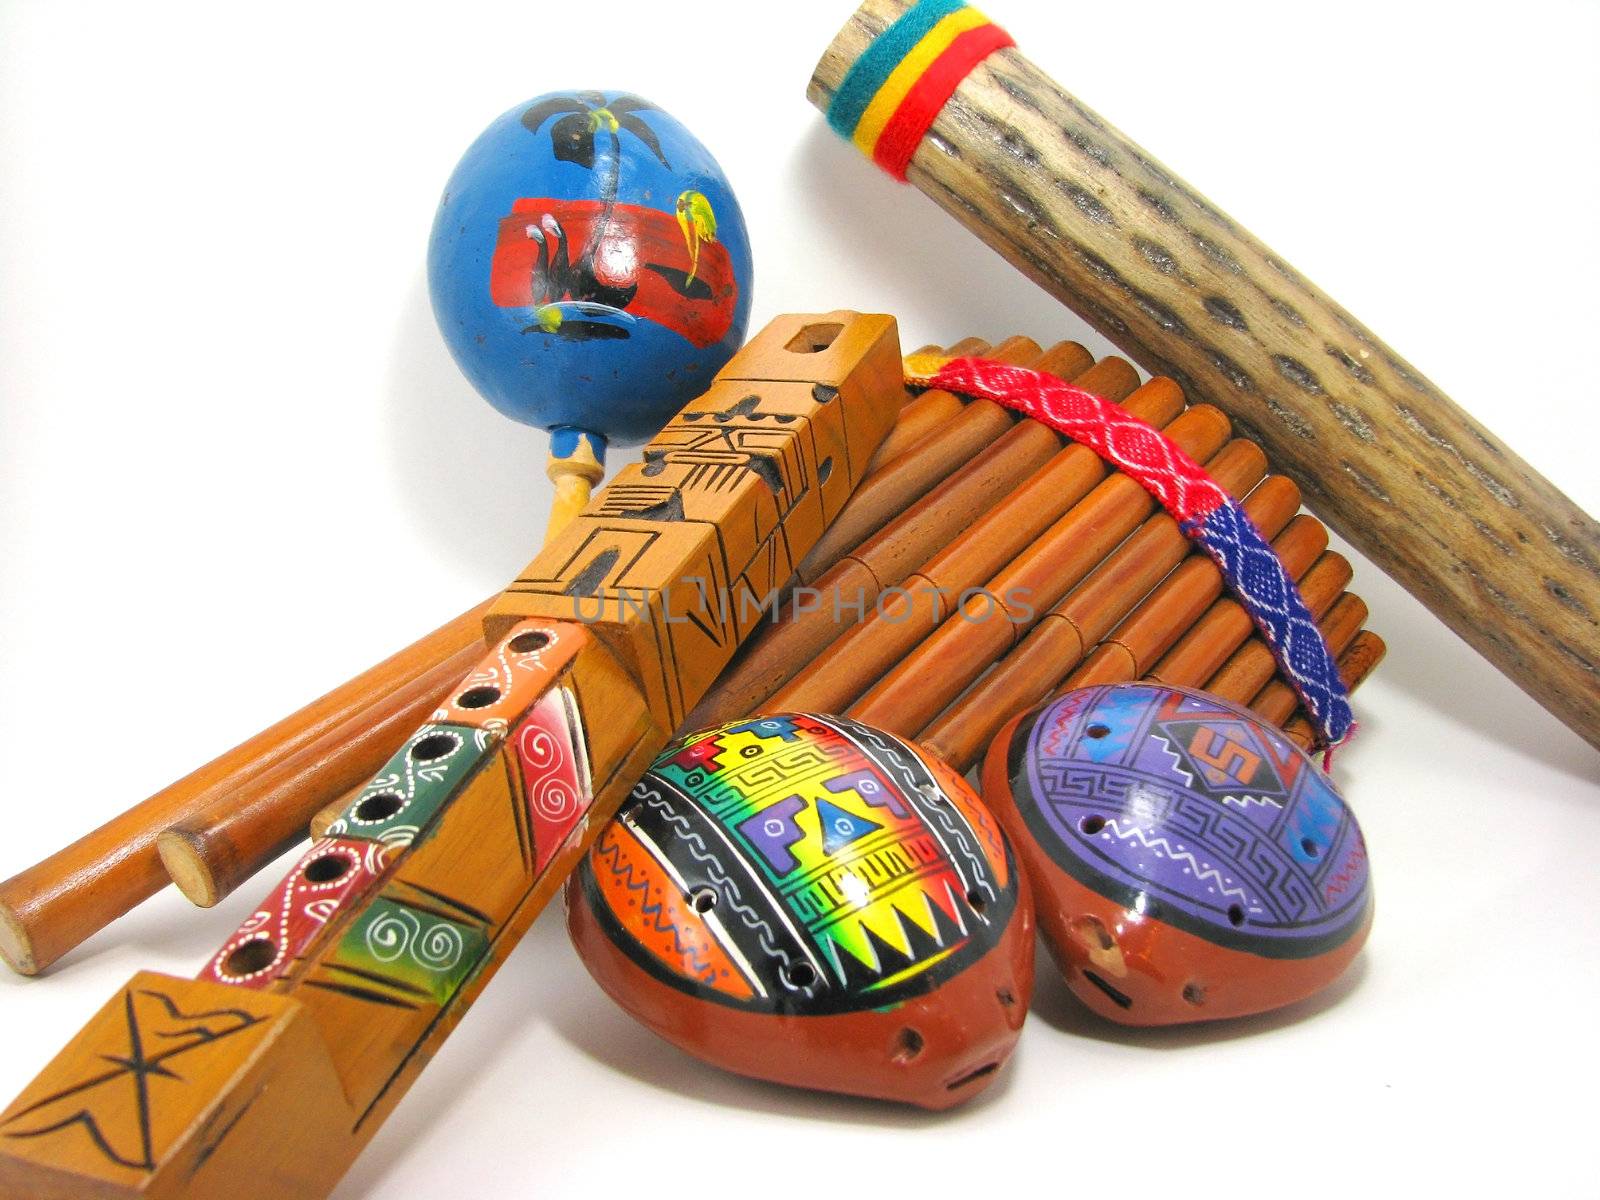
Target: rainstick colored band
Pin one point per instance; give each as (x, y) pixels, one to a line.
(1204, 511)
(890, 96)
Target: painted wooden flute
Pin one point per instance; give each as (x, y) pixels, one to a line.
(265, 1076)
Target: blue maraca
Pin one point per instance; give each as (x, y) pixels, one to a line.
(590, 271)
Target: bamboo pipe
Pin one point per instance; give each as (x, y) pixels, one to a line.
(1275, 700)
(870, 649)
(1245, 674)
(903, 480)
(55, 904)
(796, 635)
(227, 840)
(1319, 588)
(979, 632)
(1387, 459)
(923, 414)
(1075, 627)
(1252, 666)
(1186, 596)
(1355, 664)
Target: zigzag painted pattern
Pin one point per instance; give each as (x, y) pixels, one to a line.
(611, 855)
(1205, 512)
(1159, 843)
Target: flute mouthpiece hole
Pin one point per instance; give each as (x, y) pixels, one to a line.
(814, 339)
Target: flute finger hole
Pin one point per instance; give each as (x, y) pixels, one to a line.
(527, 643)
(253, 956)
(478, 697)
(378, 808)
(326, 868)
(434, 747)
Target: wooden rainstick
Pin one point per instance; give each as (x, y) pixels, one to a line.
(264, 1077)
(55, 904)
(1389, 461)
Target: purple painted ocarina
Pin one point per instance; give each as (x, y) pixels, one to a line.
(1188, 861)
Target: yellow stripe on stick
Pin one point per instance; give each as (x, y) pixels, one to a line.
(912, 67)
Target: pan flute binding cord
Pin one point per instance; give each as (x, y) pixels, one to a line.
(889, 98)
(1204, 511)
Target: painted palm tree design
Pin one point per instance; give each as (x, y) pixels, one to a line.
(569, 293)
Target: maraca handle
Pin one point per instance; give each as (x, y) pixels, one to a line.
(576, 463)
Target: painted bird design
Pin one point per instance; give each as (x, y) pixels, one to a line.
(698, 220)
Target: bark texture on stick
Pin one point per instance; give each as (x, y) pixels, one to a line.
(1390, 462)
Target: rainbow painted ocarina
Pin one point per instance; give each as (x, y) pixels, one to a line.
(807, 900)
(1188, 861)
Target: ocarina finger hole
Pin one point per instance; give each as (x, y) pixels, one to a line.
(1092, 825)
(1235, 915)
(977, 900)
(1194, 994)
(1098, 731)
(798, 975)
(907, 1046)
(703, 899)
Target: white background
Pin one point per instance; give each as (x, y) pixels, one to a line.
(237, 466)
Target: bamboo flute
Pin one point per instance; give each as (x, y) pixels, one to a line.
(58, 902)
(950, 658)
(233, 835)
(1090, 613)
(798, 634)
(870, 649)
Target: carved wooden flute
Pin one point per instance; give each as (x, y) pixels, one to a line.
(265, 1076)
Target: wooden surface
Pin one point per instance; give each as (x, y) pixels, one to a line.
(1389, 461)
(237, 832)
(54, 905)
(342, 987)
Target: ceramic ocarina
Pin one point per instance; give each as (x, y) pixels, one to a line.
(808, 900)
(1188, 862)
